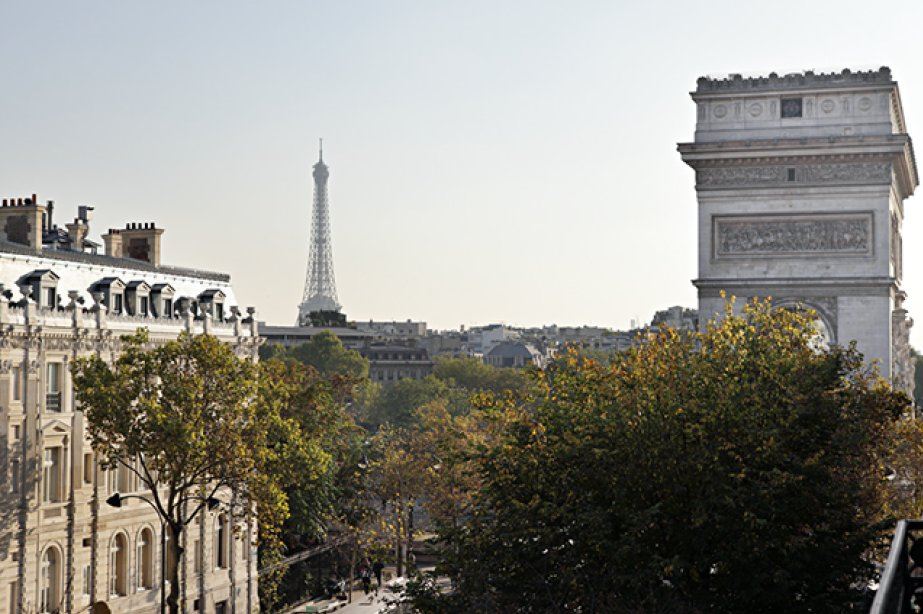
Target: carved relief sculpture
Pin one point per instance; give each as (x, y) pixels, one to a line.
(778, 235)
(778, 175)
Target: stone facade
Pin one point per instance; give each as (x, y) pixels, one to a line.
(801, 181)
(390, 363)
(62, 548)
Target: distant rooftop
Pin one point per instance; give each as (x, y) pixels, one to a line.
(808, 79)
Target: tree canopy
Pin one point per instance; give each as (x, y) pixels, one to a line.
(196, 424)
(736, 470)
(326, 353)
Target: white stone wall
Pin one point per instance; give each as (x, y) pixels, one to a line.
(808, 209)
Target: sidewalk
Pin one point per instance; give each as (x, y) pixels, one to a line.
(361, 604)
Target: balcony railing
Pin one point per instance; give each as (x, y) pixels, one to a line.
(900, 590)
(53, 402)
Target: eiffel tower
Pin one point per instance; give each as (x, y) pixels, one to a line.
(320, 290)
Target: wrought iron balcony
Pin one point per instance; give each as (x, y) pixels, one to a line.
(900, 590)
(53, 402)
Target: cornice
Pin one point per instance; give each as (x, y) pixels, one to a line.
(898, 148)
(807, 80)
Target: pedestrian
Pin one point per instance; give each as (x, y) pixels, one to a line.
(365, 574)
(377, 568)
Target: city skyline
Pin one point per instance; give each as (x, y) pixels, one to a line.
(520, 168)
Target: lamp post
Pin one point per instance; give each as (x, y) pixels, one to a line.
(116, 501)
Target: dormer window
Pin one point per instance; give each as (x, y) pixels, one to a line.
(43, 284)
(137, 294)
(161, 300)
(212, 302)
(113, 291)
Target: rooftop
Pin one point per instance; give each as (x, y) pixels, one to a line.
(110, 261)
(799, 80)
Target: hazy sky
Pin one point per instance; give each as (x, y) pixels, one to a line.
(490, 161)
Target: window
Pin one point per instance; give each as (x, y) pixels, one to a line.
(53, 387)
(16, 377)
(167, 308)
(791, 174)
(14, 596)
(14, 475)
(221, 542)
(124, 481)
(15, 433)
(791, 107)
(51, 475)
(118, 566)
(87, 580)
(197, 556)
(50, 595)
(88, 468)
(169, 555)
(51, 296)
(145, 560)
(54, 377)
(143, 306)
(219, 312)
(116, 303)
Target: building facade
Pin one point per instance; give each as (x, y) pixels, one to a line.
(390, 363)
(801, 181)
(62, 548)
(514, 355)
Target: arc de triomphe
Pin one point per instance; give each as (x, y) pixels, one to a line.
(801, 181)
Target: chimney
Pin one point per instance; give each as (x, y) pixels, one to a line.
(141, 241)
(22, 223)
(112, 242)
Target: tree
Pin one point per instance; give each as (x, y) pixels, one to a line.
(396, 403)
(325, 352)
(396, 481)
(735, 470)
(193, 423)
(474, 375)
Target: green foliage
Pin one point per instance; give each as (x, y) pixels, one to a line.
(474, 375)
(324, 352)
(395, 404)
(192, 421)
(327, 318)
(734, 470)
(453, 383)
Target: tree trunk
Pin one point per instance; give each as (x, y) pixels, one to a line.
(352, 569)
(409, 549)
(172, 571)
(398, 542)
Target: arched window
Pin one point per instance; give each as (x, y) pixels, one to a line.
(144, 559)
(221, 542)
(118, 566)
(50, 596)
